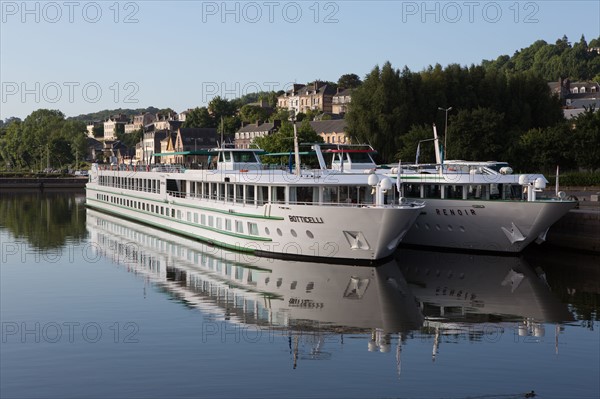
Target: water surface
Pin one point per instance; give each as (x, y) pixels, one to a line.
(93, 306)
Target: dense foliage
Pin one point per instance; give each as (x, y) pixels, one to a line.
(499, 111)
(283, 140)
(44, 139)
(551, 61)
(105, 114)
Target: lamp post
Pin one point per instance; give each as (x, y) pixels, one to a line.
(196, 151)
(445, 129)
(296, 152)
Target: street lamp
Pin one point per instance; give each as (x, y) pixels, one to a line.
(445, 130)
(296, 151)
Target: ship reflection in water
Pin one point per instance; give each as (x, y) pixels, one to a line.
(476, 297)
(447, 296)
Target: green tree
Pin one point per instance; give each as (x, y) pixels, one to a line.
(252, 113)
(410, 141)
(283, 139)
(280, 114)
(543, 149)
(476, 135)
(587, 139)
(199, 117)
(379, 112)
(98, 130)
(130, 139)
(349, 81)
(221, 107)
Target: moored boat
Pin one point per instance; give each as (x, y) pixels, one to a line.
(241, 205)
(468, 205)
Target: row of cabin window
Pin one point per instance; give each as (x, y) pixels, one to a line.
(131, 183)
(471, 191)
(259, 195)
(204, 220)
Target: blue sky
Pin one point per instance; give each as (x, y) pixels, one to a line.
(85, 56)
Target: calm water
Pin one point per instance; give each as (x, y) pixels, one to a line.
(93, 306)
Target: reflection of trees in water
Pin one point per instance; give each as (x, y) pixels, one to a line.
(45, 219)
(573, 277)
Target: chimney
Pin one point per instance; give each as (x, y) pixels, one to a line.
(258, 122)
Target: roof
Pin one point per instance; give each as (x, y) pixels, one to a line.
(198, 137)
(91, 142)
(262, 127)
(323, 89)
(330, 126)
(344, 92)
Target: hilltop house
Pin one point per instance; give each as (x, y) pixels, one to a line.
(301, 98)
(576, 96)
(139, 121)
(340, 101)
(113, 125)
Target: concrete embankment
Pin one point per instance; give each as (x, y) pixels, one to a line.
(580, 228)
(42, 183)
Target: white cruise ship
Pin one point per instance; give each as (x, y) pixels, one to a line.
(468, 205)
(241, 205)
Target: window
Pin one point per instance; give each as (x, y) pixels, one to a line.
(262, 195)
(228, 224)
(278, 195)
(239, 226)
(252, 228)
(249, 194)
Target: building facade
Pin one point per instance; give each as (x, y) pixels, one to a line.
(248, 132)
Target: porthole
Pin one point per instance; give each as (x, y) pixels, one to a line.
(309, 234)
(279, 232)
(293, 233)
(267, 231)
(462, 229)
(437, 227)
(449, 228)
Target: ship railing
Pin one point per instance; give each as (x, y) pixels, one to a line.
(258, 202)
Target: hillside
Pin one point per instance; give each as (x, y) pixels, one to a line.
(578, 62)
(104, 114)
